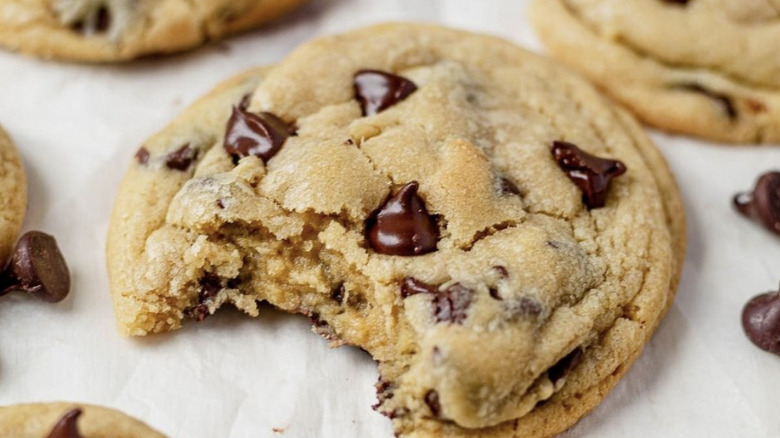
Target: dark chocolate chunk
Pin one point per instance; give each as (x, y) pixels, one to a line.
(402, 226)
(262, 135)
(181, 158)
(432, 400)
(508, 187)
(67, 427)
(723, 100)
(37, 267)
(142, 156)
(761, 321)
(763, 204)
(590, 173)
(377, 90)
(565, 365)
(102, 19)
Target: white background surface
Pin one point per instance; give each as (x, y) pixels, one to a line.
(77, 128)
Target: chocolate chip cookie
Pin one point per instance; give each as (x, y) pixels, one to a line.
(708, 68)
(70, 420)
(13, 183)
(119, 30)
(500, 238)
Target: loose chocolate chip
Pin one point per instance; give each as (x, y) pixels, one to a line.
(402, 226)
(411, 286)
(432, 400)
(37, 267)
(142, 156)
(763, 204)
(590, 173)
(565, 365)
(67, 427)
(181, 158)
(377, 90)
(761, 321)
(508, 187)
(262, 135)
(723, 100)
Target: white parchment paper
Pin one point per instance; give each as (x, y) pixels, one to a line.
(78, 126)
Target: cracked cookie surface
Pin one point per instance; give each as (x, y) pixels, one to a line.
(119, 30)
(427, 204)
(707, 68)
(70, 420)
(13, 185)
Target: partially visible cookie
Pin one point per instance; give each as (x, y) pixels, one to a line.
(70, 420)
(497, 235)
(708, 68)
(119, 30)
(13, 187)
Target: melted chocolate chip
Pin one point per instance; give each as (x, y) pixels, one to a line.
(449, 305)
(67, 427)
(763, 204)
(377, 90)
(411, 286)
(38, 268)
(402, 226)
(261, 135)
(432, 400)
(523, 307)
(565, 365)
(725, 102)
(508, 187)
(181, 158)
(142, 156)
(590, 173)
(761, 321)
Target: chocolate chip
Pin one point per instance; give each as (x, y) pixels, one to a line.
(501, 271)
(523, 307)
(142, 156)
(210, 286)
(67, 427)
(181, 158)
(37, 267)
(377, 90)
(402, 226)
(565, 365)
(261, 135)
(102, 19)
(725, 102)
(761, 321)
(411, 286)
(508, 187)
(337, 294)
(432, 400)
(495, 294)
(590, 173)
(763, 204)
(449, 305)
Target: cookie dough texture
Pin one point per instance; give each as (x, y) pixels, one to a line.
(707, 68)
(37, 421)
(545, 275)
(119, 30)
(13, 186)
